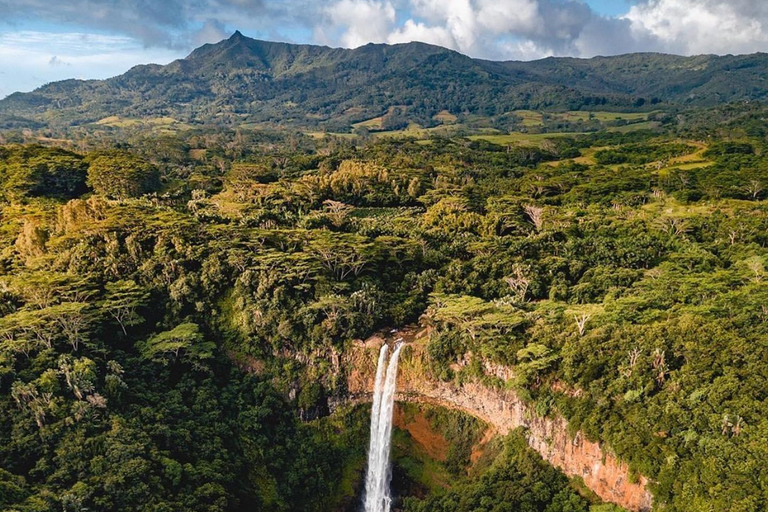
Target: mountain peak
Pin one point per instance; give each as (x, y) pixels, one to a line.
(237, 35)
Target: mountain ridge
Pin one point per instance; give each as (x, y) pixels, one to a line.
(243, 80)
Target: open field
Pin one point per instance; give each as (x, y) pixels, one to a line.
(372, 124)
(531, 118)
(377, 123)
(695, 160)
(587, 157)
(645, 125)
(528, 118)
(583, 115)
(445, 117)
(155, 124)
(415, 130)
(525, 139)
(322, 135)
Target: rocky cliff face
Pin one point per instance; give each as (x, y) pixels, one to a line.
(503, 409)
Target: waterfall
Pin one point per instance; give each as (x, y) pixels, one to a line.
(373, 450)
(377, 497)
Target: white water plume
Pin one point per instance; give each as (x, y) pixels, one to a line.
(379, 475)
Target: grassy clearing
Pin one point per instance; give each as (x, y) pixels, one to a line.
(690, 161)
(155, 124)
(693, 160)
(372, 124)
(418, 132)
(645, 125)
(322, 135)
(353, 111)
(604, 117)
(530, 117)
(694, 165)
(445, 117)
(117, 122)
(449, 126)
(587, 157)
(53, 140)
(524, 139)
(377, 123)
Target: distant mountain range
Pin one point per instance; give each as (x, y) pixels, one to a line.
(242, 80)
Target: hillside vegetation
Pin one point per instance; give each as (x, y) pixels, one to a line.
(241, 80)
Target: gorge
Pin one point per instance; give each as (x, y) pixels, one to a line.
(503, 410)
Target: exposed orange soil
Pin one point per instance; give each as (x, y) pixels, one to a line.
(479, 448)
(417, 425)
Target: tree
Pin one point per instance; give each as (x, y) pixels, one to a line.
(121, 301)
(79, 374)
(32, 240)
(518, 283)
(74, 319)
(27, 328)
(754, 188)
(42, 289)
(30, 398)
(337, 211)
(342, 255)
(536, 215)
(581, 322)
(535, 360)
(183, 342)
(121, 175)
(39, 171)
(478, 319)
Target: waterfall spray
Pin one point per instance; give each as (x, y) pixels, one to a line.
(379, 475)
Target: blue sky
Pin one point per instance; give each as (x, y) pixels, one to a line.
(610, 7)
(43, 41)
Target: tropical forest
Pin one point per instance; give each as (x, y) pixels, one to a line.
(570, 288)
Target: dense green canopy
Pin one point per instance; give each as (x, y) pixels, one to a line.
(169, 339)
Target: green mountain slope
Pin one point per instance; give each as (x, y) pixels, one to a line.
(243, 80)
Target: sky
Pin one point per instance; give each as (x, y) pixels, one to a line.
(47, 40)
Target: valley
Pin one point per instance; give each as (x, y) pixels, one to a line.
(503, 411)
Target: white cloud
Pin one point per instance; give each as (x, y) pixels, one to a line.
(497, 29)
(212, 31)
(524, 50)
(703, 26)
(510, 16)
(417, 31)
(457, 17)
(527, 29)
(363, 21)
